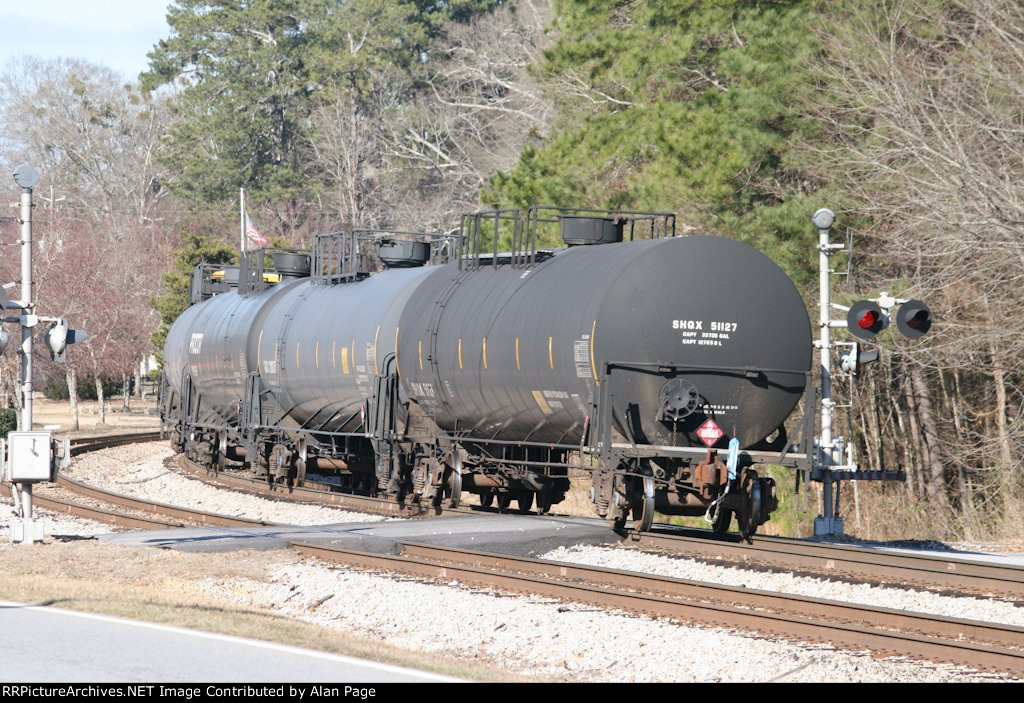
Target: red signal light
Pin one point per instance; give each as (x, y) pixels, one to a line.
(865, 319)
(869, 319)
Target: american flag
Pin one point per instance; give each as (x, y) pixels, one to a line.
(253, 234)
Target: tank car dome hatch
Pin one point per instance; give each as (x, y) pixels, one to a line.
(579, 230)
(403, 254)
(291, 264)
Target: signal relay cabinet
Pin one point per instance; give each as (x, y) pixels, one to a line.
(32, 456)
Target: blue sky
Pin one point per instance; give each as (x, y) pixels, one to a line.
(114, 33)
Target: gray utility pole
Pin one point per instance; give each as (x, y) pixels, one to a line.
(829, 449)
(31, 456)
(28, 531)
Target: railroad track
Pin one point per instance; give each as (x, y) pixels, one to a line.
(980, 645)
(846, 561)
(144, 514)
(935, 572)
(977, 644)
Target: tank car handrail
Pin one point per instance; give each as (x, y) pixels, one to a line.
(677, 366)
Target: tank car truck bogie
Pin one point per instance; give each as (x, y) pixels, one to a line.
(426, 368)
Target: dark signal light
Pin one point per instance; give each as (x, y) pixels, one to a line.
(913, 319)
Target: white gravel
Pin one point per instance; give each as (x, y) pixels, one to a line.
(541, 638)
(988, 609)
(56, 526)
(139, 471)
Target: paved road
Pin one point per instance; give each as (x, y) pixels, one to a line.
(43, 644)
(527, 535)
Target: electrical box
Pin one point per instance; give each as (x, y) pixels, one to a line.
(29, 456)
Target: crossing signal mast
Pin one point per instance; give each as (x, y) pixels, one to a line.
(834, 459)
(30, 457)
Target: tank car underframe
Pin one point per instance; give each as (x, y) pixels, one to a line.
(639, 479)
(399, 451)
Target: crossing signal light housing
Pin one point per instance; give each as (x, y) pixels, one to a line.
(59, 336)
(913, 319)
(865, 320)
(853, 361)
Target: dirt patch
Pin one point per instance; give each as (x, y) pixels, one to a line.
(142, 416)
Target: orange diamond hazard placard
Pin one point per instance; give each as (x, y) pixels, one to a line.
(709, 433)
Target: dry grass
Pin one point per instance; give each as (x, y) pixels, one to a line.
(142, 417)
(163, 586)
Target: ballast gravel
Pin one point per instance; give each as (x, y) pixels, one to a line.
(546, 639)
(987, 609)
(140, 471)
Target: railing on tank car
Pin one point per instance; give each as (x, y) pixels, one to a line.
(488, 228)
(253, 276)
(340, 257)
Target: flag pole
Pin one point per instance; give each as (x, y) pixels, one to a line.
(241, 218)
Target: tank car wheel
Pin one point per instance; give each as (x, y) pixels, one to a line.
(618, 507)
(454, 483)
(722, 521)
(525, 501)
(487, 499)
(545, 499)
(750, 516)
(617, 518)
(643, 507)
(504, 500)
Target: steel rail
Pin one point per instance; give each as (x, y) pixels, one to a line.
(254, 486)
(814, 620)
(99, 514)
(186, 516)
(936, 572)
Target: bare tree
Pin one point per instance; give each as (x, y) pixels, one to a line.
(94, 138)
(925, 119)
(416, 152)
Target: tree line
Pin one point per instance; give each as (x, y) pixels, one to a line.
(742, 117)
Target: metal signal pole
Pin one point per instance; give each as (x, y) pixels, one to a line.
(26, 177)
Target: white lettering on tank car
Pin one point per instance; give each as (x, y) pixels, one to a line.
(705, 333)
(196, 343)
(581, 356)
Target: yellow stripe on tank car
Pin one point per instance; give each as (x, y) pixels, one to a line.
(344, 360)
(593, 368)
(460, 353)
(518, 367)
(298, 345)
(398, 369)
(420, 345)
(551, 353)
(316, 354)
(485, 352)
(542, 402)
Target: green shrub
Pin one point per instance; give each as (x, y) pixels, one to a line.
(56, 388)
(8, 421)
